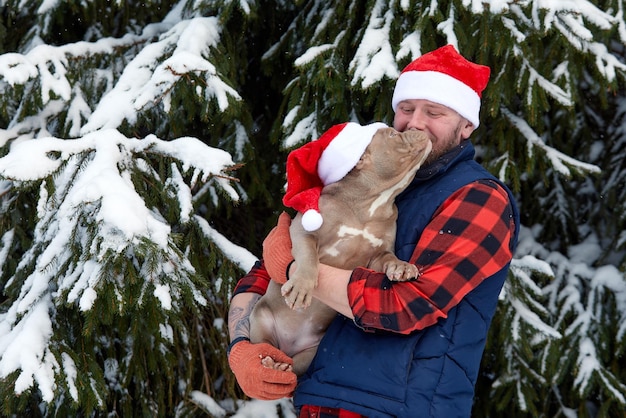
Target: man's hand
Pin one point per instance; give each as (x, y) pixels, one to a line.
(259, 381)
(277, 249)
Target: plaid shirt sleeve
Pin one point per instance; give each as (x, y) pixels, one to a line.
(467, 240)
(256, 281)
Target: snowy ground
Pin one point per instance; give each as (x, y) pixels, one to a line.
(246, 409)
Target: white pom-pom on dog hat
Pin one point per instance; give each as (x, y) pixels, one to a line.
(322, 162)
(444, 76)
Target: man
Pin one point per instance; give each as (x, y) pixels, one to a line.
(409, 349)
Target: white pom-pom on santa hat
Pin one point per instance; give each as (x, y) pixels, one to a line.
(322, 162)
(443, 76)
(312, 220)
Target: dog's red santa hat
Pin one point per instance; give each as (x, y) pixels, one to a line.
(443, 76)
(322, 162)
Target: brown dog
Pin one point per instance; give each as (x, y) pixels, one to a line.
(358, 230)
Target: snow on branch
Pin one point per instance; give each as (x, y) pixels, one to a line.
(24, 347)
(510, 24)
(181, 49)
(525, 311)
(553, 10)
(373, 59)
(410, 46)
(316, 50)
(33, 126)
(612, 279)
(38, 62)
(560, 162)
(239, 255)
(582, 39)
(447, 28)
(570, 19)
(573, 9)
(492, 6)
(534, 77)
(590, 366)
(313, 52)
(305, 128)
(122, 208)
(149, 77)
(90, 217)
(579, 296)
(606, 62)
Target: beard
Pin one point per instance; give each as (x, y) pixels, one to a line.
(444, 145)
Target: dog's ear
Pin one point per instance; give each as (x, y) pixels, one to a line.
(365, 160)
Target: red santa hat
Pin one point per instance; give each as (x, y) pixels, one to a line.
(443, 76)
(322, 162)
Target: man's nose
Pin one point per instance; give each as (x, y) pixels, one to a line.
(417, 121)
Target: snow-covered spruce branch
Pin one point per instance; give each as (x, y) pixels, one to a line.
(239, 255)
(17, 69)
(525, 310)
(305, 129)
(581, 38)
(569, 19)
(553, 10)
(535, 77)
(571, 10)
(92, 185)
(150, 76)
(37, 159)
(579, 295)
(580, 299)
(560, 162)
(373, 59)
(181, 48)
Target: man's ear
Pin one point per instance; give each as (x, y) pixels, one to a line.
(467, 129)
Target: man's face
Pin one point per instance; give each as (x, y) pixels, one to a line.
(444, 126)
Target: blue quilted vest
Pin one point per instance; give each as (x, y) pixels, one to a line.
(431, 372)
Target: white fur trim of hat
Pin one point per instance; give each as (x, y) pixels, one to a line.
(344, 151)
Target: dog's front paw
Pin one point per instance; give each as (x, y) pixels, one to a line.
(401, 271)
(298, 294)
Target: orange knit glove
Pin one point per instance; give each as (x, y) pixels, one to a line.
(256, 380)
(277, 250)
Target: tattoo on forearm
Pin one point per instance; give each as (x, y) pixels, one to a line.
(239, 319)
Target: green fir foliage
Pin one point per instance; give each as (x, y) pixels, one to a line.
(131, 321)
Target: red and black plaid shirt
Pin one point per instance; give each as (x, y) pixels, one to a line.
(467, 240)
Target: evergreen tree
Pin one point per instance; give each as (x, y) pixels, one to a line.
(123, 131)
(143, 148)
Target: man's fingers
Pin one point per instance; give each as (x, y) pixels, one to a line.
(272, 393)
(280, 379)
(279, 357)
(284, 220)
